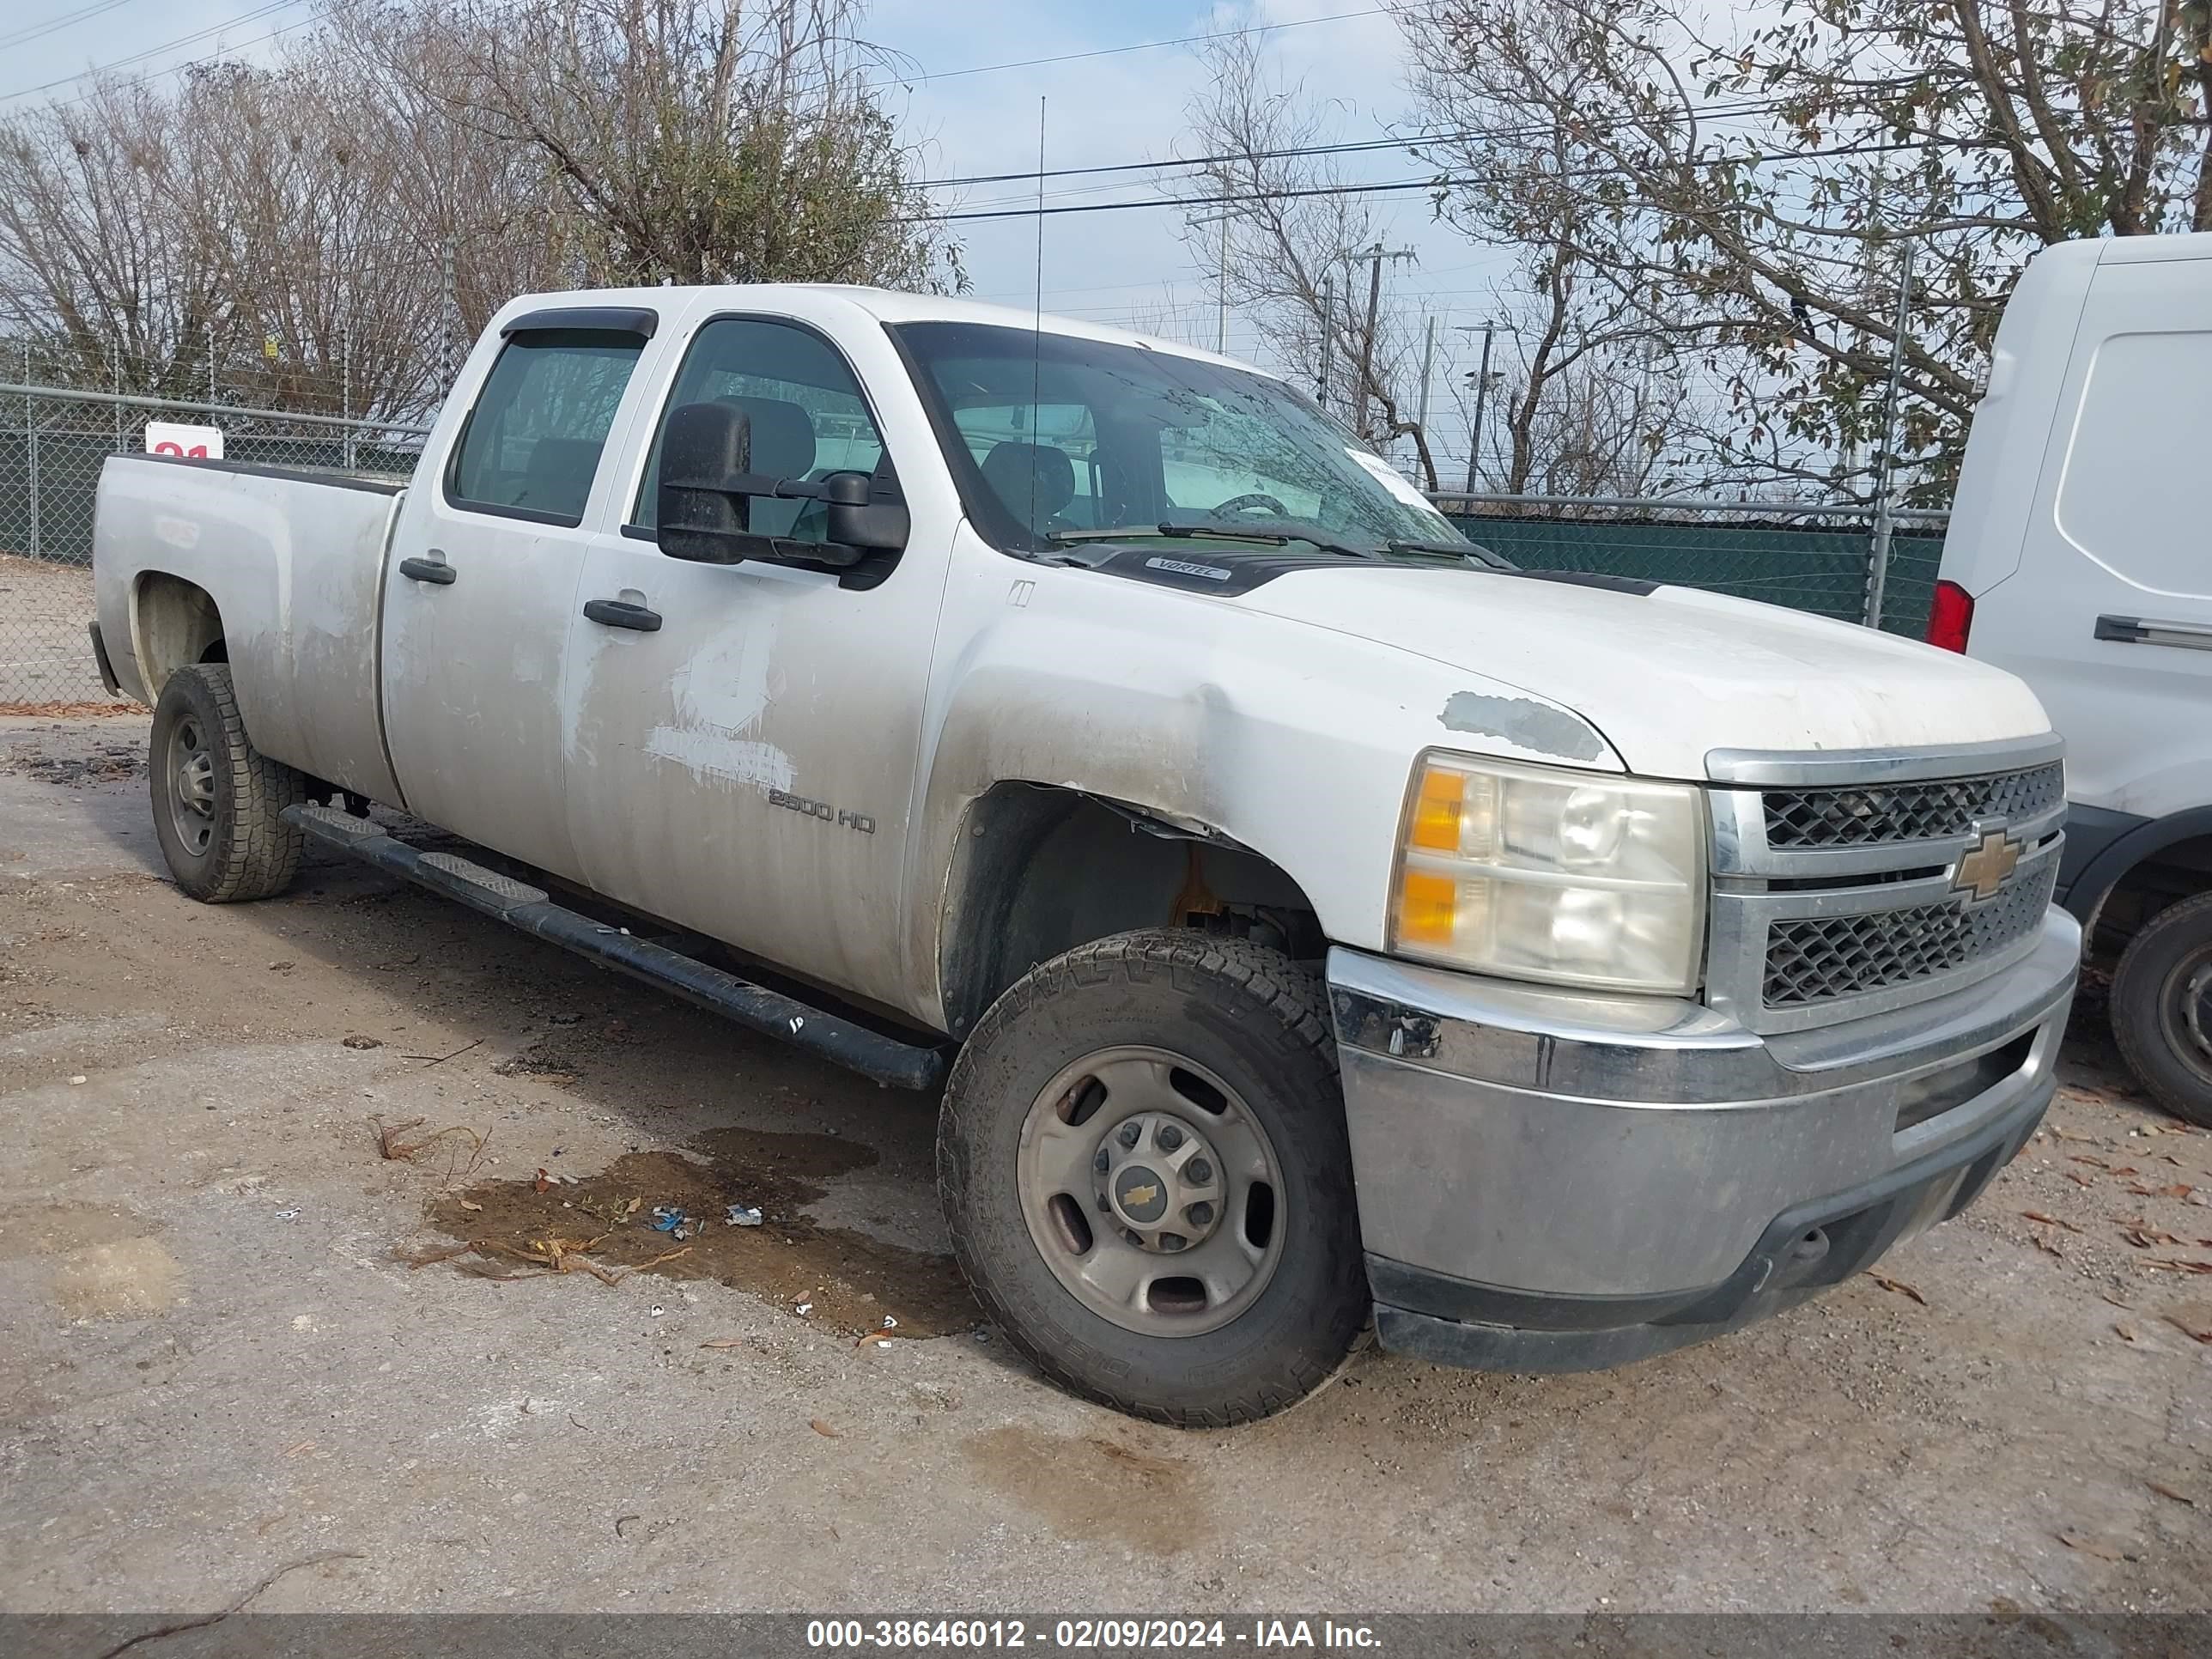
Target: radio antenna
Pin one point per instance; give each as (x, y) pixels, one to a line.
(1037, 334)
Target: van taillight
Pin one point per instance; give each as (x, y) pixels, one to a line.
(1950, 615)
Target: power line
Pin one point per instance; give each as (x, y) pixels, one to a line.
(253, 16)
(55, 25)
(1142, 45)
(1347, 147)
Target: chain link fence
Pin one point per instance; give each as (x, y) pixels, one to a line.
(53, 441)
(1818, 559)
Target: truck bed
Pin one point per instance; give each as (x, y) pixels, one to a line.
(294, 560)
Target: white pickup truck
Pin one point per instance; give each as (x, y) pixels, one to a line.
(1323, 923)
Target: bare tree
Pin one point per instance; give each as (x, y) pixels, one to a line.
(101, 262)
(1293, 245)
(336, 226)
(1750, 193)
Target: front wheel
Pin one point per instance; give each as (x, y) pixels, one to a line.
(1145, 1170)
(2161, 1007)
(216, 799)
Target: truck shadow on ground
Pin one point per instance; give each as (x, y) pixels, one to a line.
(716, 1120)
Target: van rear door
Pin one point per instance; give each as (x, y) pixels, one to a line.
(2109, 612)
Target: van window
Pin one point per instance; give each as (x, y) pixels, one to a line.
(2133, 495)
(808, 417)
(533, 442)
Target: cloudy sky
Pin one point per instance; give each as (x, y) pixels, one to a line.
(974, 98)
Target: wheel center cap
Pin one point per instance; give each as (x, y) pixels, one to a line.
(1140, 1194)
(1162, 1182)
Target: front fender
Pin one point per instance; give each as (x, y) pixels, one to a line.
(1293, 740)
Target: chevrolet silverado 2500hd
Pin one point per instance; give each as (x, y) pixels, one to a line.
(1329, 922)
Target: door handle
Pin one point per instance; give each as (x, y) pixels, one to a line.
(435, 572)
(2148, 630)
(621, 613)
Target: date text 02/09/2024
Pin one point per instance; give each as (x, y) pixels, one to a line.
(1086, 1635)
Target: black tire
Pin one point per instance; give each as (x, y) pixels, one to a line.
(2161, 1008)
(1257, 1022)
(232, 846)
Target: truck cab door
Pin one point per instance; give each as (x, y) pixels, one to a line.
(743, 738)
(485, 563)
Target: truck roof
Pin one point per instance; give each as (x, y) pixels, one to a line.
(885, 305)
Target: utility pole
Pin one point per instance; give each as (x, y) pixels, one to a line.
(1375, 256)
(1428, 363)
(1221, 281)
(345, 391)
(447, 367)
(1489, 331)
(1221, 318)
(1327, 336)
(1885, 520)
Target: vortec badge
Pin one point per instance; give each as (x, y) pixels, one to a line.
(1988, 867)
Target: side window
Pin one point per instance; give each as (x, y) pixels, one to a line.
(533, 442)
(808, 416)
(2132, 495)
(1042, 460)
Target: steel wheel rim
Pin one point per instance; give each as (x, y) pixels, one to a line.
(190, 767)
(2185, 1013)
(1110, 1242)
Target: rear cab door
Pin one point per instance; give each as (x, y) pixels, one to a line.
(485, 565)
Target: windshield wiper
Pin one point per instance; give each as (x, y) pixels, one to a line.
(1273, 532)
(1472, 552)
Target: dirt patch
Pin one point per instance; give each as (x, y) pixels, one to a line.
(72, 711)
(106, 1264)
(1086, 1487)
(111, 762)
(849, 1280)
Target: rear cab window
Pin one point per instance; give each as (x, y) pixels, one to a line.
(533, 441)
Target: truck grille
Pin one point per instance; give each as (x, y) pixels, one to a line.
(1848, 884)
(1880, 813)
(1815, 959)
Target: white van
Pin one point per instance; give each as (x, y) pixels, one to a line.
(2081, 559)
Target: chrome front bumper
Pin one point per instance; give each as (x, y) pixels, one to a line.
(1553, 1181)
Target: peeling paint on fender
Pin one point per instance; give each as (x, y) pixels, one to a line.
(1523, 722)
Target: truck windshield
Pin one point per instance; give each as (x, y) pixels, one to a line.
(1052, 436)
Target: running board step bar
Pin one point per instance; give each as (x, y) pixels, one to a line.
(519, 905)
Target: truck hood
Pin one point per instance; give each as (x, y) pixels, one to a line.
(1665, 677)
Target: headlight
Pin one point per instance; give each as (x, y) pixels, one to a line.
(1536, 872)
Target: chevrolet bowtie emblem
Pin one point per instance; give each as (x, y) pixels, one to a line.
(1138, 1197)
(1988, 867)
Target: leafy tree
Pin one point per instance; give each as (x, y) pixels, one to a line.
(1751, 194)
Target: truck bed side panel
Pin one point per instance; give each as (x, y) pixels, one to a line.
(295, 563)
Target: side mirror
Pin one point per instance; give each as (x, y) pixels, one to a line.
(705, 449)
(703, 507)
(866, 510)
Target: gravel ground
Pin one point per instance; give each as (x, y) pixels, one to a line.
(236, 1333)
(46, 658)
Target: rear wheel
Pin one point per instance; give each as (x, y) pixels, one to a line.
(2161, 1007)
(216, 799)
(1143, 1160)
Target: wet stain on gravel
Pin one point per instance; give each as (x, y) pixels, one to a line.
(851, 1279)
(109, 764)
(1086, 1487)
